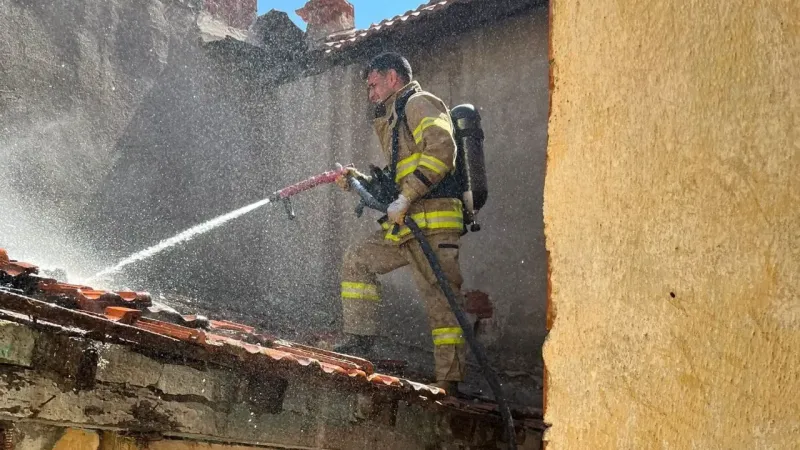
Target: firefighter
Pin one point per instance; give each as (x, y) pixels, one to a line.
(421, 166)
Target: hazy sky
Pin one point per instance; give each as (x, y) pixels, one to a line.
(367, 11)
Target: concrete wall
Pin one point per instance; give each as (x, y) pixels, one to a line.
(172, 134)
(672, 208)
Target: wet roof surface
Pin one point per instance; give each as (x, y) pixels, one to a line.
(116, 312)
(131, 318)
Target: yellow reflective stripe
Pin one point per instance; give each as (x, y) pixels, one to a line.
(410, 164)
(406, 166)
(360, 296)
(438, 214)
(441, 219)
(418, 217)
(432, 163)
(451, 330)
(436, 224)
(448, 341)
(364, 286)
(360, 291)
(447, 336)
(431, 122)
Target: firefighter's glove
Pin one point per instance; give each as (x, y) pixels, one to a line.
(343, 180)
(397, 209)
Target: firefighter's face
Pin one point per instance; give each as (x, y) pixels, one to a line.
(381, 86)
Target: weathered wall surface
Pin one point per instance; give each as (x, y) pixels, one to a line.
(325, 119)
(112, 387)
(672, 215)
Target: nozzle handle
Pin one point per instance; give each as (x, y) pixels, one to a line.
(287, 204)
(366, 198)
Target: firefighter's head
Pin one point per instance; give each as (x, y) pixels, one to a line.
(386, 74)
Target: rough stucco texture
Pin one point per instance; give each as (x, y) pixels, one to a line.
(672, 217)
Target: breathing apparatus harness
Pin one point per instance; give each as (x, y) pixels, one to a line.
(467, 180)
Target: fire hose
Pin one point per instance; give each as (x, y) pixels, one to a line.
(474, 345)
(368, 200)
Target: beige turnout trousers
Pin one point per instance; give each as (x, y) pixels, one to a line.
(361, 292)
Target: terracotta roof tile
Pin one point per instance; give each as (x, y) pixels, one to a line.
(16, 268)
(123, 315)
(111, 310)
(336, 42)
(231, 326)
(172, 330)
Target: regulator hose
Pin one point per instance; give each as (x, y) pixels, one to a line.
(474, 345)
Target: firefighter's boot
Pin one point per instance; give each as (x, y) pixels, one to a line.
(355, 345)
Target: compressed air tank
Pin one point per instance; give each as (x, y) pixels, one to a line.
(470, 161)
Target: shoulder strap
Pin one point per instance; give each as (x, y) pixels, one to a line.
(400, 113)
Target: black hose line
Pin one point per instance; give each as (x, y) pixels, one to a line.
(477, 349)
(474, 344)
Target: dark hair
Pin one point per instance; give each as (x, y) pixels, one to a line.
(386, 62)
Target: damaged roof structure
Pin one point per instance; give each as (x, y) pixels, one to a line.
(277, 51)
(97, 359)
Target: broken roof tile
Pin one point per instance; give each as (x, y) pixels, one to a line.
(231, 326)
(16, 268)
(122, 315)
(138, 299)
(387, 380)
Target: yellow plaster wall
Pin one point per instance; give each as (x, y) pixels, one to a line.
(672, 214)
(77, 439)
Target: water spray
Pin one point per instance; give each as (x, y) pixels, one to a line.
(284, 196)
